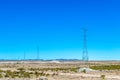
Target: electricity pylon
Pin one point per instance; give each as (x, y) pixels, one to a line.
(85, 51)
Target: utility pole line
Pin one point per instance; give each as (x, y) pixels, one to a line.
(37, 52)
(24, 55)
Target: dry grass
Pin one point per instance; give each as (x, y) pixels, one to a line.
(61, 71)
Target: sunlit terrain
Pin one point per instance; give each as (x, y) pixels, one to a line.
(56, 70)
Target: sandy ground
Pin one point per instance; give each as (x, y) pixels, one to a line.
(110, 75)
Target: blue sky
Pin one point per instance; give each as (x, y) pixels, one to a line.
(55, 25)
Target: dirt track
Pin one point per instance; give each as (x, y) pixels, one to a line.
(91, 75)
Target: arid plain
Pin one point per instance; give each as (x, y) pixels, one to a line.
(56, 70)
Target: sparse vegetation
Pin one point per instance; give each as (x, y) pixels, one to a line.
(53, 70)
(103, 77)
(106, 67)
(84, 71)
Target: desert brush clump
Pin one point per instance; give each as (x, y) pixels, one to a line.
(103, 77)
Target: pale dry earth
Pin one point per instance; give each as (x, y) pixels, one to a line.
(95, 75)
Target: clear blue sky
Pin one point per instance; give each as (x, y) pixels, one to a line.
(55, 25)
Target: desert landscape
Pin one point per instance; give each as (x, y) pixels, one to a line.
(59, 40)
(56, 70)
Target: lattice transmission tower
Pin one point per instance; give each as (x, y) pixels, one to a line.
(85, 51)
